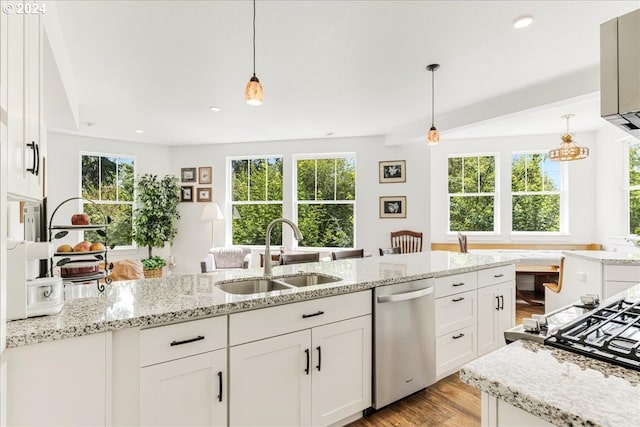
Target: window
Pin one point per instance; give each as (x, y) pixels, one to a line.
(256, 199)
(108, 181)
(634, 188)
(472, 193)
(326, 195)
(535, 193)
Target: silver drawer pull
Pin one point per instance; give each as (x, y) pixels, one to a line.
(498, 275)
(455, 337)
(190, 340)
(458, 284)
(457, 299)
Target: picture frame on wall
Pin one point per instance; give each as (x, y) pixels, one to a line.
(204, 175)
(204, 194)
(188, 174)
(392, 171)
(393, 207)
(186, 193)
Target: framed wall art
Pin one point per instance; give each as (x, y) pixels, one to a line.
(188, 174)
(186, 193)
(204, 175)
(393, 207)
(392, 171)
(204, 194)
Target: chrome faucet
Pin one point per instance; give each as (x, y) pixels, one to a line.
(267, 248)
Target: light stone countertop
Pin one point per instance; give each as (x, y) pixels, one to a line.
(179, 297)
(607, 257)
(561, 387)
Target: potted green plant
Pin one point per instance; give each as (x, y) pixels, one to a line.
(155, 217)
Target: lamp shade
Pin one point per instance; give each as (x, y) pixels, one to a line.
(211, 212)
(253, 91)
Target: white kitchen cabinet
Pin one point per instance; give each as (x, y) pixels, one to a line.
(496, 306)
(319, 375)
(24, 105)
(183, 374)
(61, 383)
(498, 413)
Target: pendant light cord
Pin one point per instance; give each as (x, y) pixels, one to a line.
(433, 95)
(254, 38)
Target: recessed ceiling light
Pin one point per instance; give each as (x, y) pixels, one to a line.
(522, 22)
(138, 131)
(214, 108)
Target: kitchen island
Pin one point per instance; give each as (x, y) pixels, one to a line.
(528, 383)
(181, 350)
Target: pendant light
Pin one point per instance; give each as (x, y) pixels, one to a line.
(434, 136)
(253, 91)
(568, 150)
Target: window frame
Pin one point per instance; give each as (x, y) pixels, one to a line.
(564, 210)
(231, 203)
(496, 194)
(628, 186)
(81, 201)
(294, 193)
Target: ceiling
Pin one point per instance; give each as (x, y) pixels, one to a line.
(329, 68)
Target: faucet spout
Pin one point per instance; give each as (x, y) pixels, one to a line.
(267, 249)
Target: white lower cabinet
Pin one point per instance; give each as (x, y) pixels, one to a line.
(316, 376)
(454, 350)
(496, 312)
(185, 392)
(498, 413)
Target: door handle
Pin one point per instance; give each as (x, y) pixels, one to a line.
(37, 159)
(304, 316)
(32, 169)
(219, 386)
(405, 296)
(190, 340)
(497, 303)
(306, 371)
(319, 358)
(501, 302)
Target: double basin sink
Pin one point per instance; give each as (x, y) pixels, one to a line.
(257, 285)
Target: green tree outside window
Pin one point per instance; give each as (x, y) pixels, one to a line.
(634, 188)
(471, 188)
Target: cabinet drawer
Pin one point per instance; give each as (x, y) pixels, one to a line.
(268, 322)
(455, 311)
(170, 342)
(454, 350)
(622, 273)
(493, 276)
(457, 283)
(614, 287)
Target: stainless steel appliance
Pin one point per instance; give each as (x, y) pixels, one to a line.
(609, 331)
(620, 72)
(404, 357)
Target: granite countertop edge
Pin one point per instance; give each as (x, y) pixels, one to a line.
(606, 257)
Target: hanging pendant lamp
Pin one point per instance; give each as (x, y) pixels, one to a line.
(568, 150)
(434, 136)
(253, 91)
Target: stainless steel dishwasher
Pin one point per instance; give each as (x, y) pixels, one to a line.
(404, 340)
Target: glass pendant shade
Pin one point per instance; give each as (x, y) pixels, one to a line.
(434, 136)
(568, 150)
(253, 91)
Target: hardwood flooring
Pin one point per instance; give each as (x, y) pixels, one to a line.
(448, 403)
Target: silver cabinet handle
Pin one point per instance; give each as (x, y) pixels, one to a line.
(405, 296)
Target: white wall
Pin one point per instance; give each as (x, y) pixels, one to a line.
(194, 237)
(581, 183)
(63, 172)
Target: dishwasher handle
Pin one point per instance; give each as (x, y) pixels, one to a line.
(405, 296)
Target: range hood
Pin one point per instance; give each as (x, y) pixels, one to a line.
(620, 72)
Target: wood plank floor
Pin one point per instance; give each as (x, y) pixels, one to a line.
(448, 403)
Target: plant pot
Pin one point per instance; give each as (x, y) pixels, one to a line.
(153, 273)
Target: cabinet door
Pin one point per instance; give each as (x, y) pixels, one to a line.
(270, 381)
(32, 75)
(189, 391)
(488, 318)
(507, 312)
(454, 350)
(455, 311)
(341, 364)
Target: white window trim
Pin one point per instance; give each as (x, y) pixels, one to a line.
(495, 194)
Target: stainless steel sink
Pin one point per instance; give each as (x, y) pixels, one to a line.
(307, 280)
(251, 286)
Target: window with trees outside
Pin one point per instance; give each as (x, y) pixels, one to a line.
(108, 181)
(256, 199)
(472, 193)
(535, 192)
(326, 197)
(634, 188)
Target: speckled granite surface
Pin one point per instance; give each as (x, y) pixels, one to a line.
(563, 388)
(181, 297)
(606, 257)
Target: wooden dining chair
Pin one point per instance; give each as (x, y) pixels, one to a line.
(286, 259)
(388, 251)
(407, 240)
(351, 253)
(556, 287)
